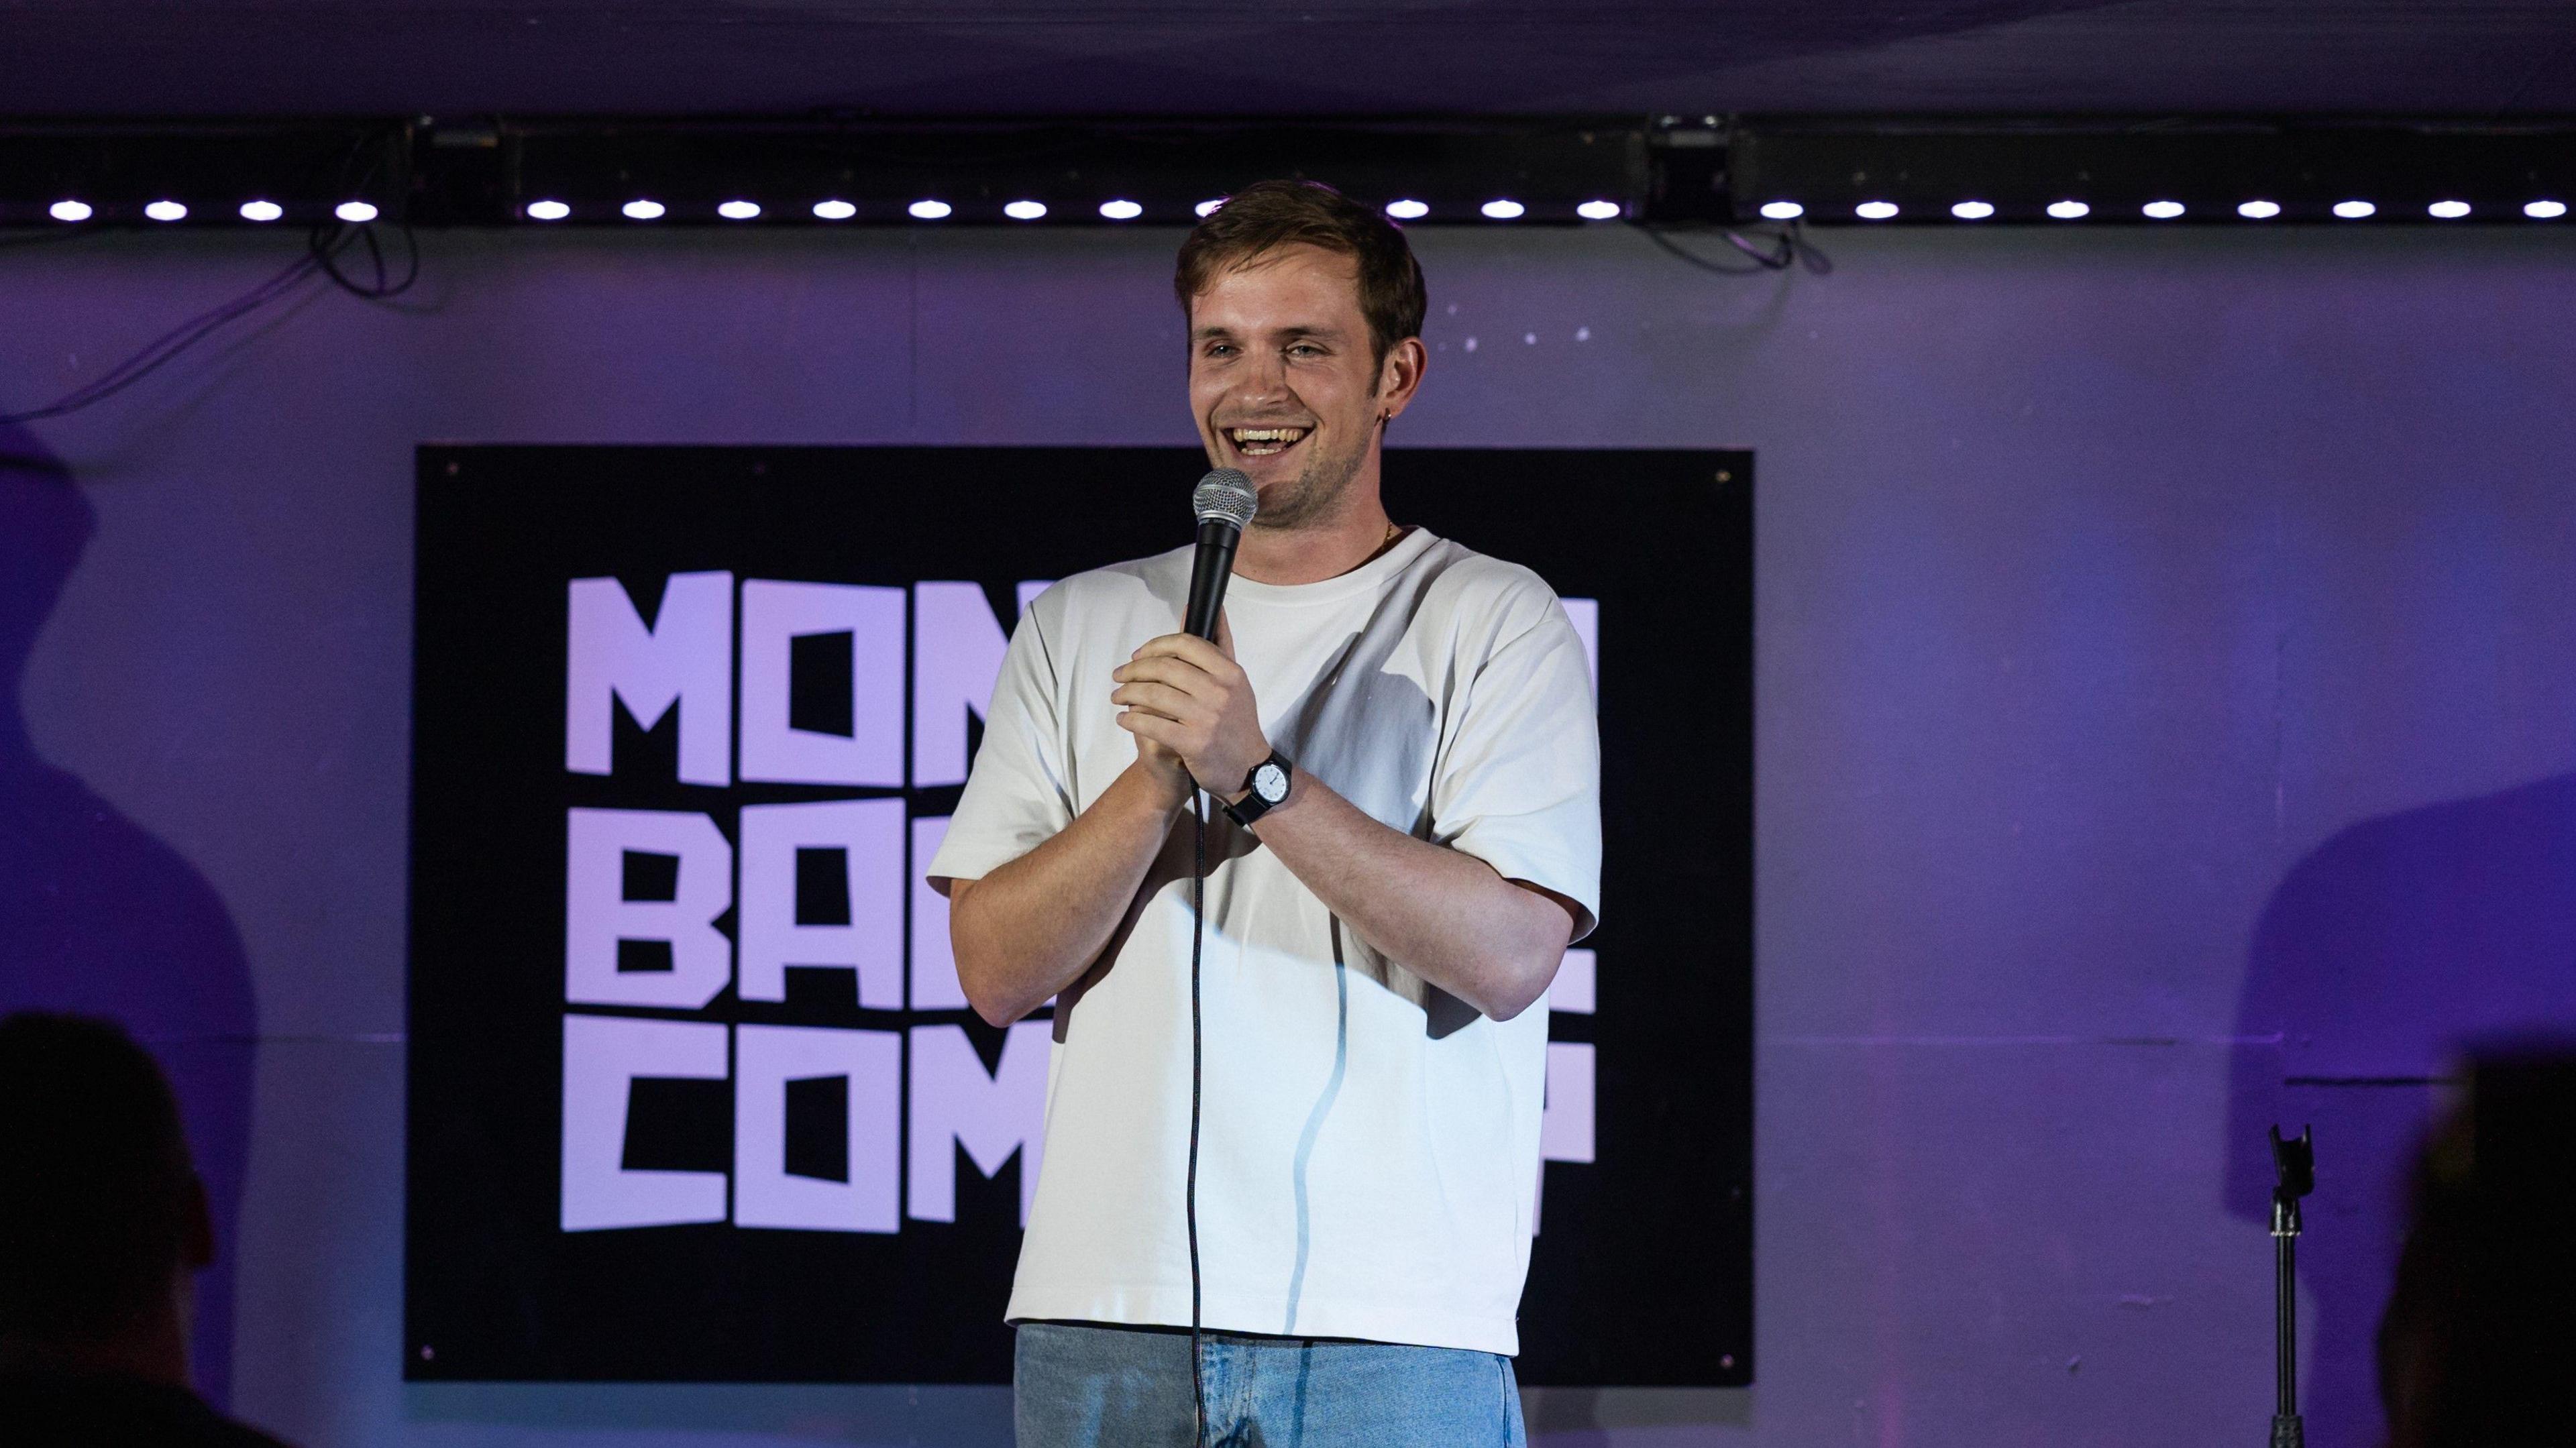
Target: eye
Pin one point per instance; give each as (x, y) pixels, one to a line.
(1308, 349)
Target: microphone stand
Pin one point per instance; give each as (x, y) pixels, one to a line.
(2294, 1165)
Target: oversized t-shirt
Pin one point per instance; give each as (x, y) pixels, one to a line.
(1369, 1143)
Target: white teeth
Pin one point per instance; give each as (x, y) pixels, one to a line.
(1249, 439)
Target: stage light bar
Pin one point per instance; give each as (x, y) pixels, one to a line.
(1672, 170)
(1046, 173)
(679, 173)
(2212, 172)
(194, 175)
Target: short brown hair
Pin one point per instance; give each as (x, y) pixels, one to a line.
(1271, 214)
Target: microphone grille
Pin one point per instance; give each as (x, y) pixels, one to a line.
(1227, 494)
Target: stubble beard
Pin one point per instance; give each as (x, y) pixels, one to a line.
(1315, 494)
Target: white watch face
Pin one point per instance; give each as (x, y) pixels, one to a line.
(1270, 782)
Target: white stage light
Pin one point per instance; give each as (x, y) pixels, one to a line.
(548, 211)
(2354, 210)
(1875, 210)
(69, 211)
(1782, 211)
(1600, 210)
(2259, 210)
(1207, 208)
(1407, 210)
(2449, 210)
(1502, 210)
(2544, 210)
(2162, 210)
(1025, 210)
(834, 210)
(738, 210)
(1973, 210)
(166, 211)
(262, 211)
(357, 213)
(1121, 210)
(2069, 210)
(928, 210)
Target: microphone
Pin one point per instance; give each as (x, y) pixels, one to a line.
(1224, 503)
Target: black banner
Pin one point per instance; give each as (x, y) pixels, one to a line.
(693, 1094)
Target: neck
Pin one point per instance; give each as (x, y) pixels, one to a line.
(1325, 547)
(151, 1348)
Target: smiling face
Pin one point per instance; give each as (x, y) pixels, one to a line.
(1283, 384)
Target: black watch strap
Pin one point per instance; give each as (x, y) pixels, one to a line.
(1275, 771)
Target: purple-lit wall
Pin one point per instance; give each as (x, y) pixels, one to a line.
(2168, 688)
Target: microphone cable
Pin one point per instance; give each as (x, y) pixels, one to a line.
(1224, 502)
(1198, 936)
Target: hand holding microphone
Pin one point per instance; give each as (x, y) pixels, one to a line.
(1183, 696)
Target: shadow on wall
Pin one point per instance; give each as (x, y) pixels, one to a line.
(97, 916)
(2388, 953)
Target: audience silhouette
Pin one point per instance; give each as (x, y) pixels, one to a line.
(103, 1228)
(2483, 1318)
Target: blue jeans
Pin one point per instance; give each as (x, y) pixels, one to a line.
(1076, 1386)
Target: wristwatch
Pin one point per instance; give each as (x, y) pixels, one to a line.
(1265, 790)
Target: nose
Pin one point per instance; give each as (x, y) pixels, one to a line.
(1264, 382)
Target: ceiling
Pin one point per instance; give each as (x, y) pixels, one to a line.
(2477, 59)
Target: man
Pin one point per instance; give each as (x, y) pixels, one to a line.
(1375, 933)
(103, 1227)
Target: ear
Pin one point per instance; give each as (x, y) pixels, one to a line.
(1399, 376)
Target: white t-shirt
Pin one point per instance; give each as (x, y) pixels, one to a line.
(1369, 1144)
